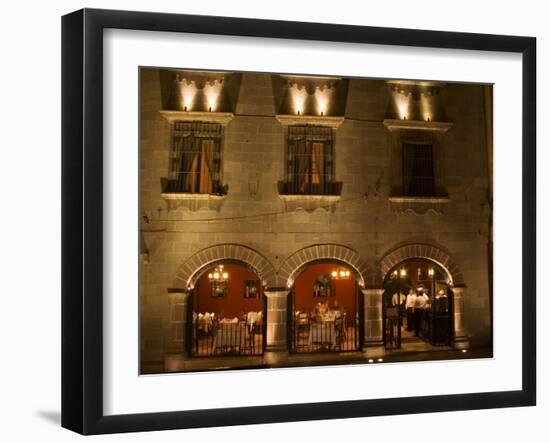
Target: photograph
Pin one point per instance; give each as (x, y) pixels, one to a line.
(274, 221)
(294, 220)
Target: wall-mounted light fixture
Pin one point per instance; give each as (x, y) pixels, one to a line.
(340, 274)
(310, 95)
(402, 101)
(190, 89)
(187, 91)
(212, 91)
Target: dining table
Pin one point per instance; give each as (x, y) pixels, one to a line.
(322, 328)
(230, 334)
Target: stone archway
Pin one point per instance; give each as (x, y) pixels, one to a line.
(188, 272)
(433, 253)
(302, 258)
(294, 264)
(447, 263)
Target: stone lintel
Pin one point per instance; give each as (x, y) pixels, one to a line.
(407, 125)
(222, 118)
(317, 120)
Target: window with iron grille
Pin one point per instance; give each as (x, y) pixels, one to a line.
(195, 162)
(310, 162)
(418, 170)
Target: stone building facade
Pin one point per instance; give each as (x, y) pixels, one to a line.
(368, 223)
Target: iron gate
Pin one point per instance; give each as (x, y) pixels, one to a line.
(211, 336)
(310, 333)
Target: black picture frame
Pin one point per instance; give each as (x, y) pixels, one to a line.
(251, 289)
(321, 290)
(218, 290)
(82, 215)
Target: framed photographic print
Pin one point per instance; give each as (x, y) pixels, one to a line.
(322, 286)
(219, 290)
(271, 204)
(251, 288)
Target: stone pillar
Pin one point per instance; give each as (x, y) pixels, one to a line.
(276, 319)
(461, 340)
(373, 316)
(177, 331)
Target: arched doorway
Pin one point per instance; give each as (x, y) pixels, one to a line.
(417, 304)
(227, 311)
(325, 308)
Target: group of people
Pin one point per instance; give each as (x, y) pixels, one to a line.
(413, 304)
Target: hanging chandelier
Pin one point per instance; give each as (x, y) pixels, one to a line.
(218, 275)
(340, 274)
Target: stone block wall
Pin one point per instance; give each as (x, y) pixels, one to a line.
(253, 163)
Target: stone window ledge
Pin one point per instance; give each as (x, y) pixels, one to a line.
(222, 118)
(418, 205)
(192, 201)
(406, 125)
(309, 203)
(317, 120)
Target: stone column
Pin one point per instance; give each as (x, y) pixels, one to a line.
(276, 319)
(373, 317)
(177, 331)
(461, 340)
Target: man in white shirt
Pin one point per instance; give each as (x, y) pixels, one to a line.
(409, 306)
(421, 301)
(402, 299)
(420, 304)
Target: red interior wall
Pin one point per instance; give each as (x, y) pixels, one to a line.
(343, 291)
(412, 272)
(234, 303)
(412, 269)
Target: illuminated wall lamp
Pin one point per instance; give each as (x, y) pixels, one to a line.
(342, 274)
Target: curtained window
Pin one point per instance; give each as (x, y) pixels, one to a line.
(196, 158)
(310, 168)
(418, 170)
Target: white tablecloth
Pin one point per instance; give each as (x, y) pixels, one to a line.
(322, 332)
(253, 318)
(230, 335)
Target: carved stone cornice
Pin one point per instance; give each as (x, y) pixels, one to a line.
(213, 117)
(317, 120)
(309, 203)
(200, 80)
(192, 202)
(418, 205)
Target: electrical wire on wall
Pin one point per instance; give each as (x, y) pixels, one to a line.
(148, 221)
